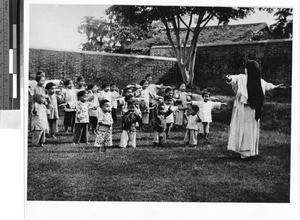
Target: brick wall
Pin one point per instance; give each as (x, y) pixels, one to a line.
(213, 60)
(98, 67)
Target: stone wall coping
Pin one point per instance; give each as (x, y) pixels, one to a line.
(230, 43)
(110, 54)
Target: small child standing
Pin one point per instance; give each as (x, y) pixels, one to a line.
(114, 102)
(160, 114)
(182, 98)
(192, 127)
(146, 95)
(82, 106)
(205, 112)
(169, 102)
(52, 106)
(39, 122)
(105, 122)
(93, 112)
(70, 95)
(129, 124)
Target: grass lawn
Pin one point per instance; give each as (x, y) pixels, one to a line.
(208, 173)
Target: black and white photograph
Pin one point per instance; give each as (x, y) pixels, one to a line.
(159, 104)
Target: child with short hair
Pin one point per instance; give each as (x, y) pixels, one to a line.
(114, 102)
(146, 95)
(192, 127)
(70, 95)
(205, 112)
(169, 102)
(105, 93)
(93, 112)
(129, 124)
(39, 88)
(105, 122)
(182, 97)
(82, 106)
(80, 81)
(123, 102)
(52, 106)
(160, 114)
(169, 91)
(39, 122)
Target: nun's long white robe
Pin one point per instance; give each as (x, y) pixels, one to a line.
(244, 129)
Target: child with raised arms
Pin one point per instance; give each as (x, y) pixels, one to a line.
(205, 112)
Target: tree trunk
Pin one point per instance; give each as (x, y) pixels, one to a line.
(192, 69)
(184, 74)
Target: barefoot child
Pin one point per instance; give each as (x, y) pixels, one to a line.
(39, 122)
(191, 133)
(105, 122)
(129, 124)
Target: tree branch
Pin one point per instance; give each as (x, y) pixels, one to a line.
(187, 26)
(187, 35)
(169, 35)
(208, 18)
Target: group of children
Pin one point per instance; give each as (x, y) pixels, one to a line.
(88, 109)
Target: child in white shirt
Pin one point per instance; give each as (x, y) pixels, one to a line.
(93, 112)
(169, 103)
(82, 106)
(106, 94)
(39, 122)
(70, 95)
(205, 112)
(114, 102)
(53, 98)
(192, 127)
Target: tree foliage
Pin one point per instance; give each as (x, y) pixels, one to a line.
(172, 19)
(103, 35)
(283, 28)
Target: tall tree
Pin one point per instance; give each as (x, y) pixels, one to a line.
(103, 35)
(283, 28)
(173, 19)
